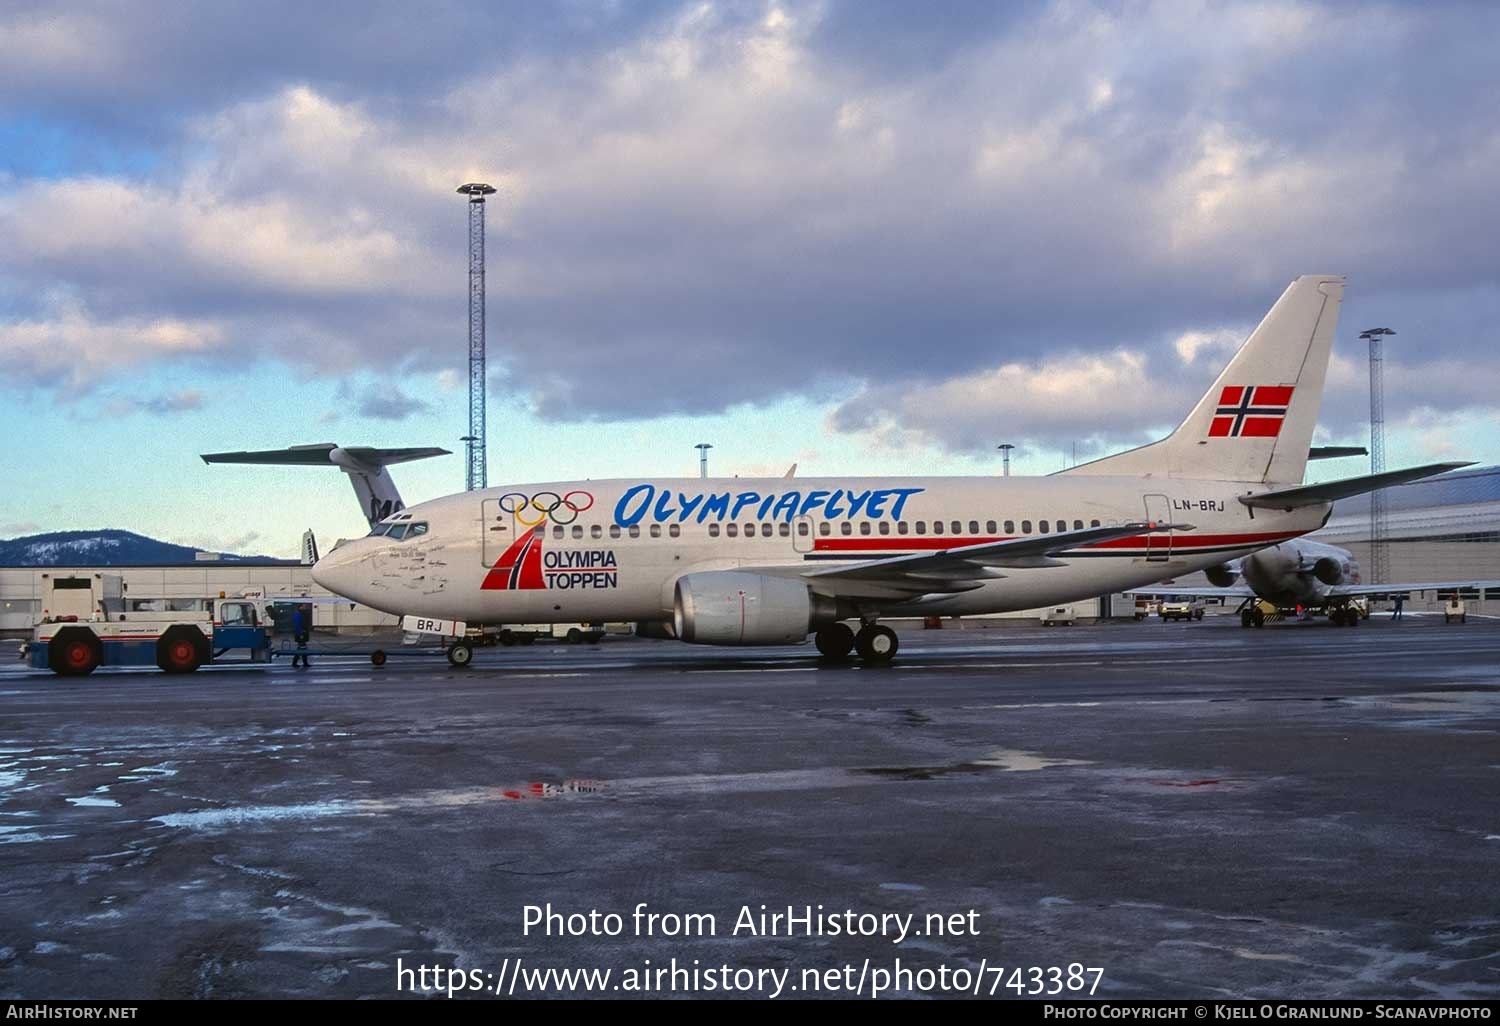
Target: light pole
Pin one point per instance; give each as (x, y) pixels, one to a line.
(1005, 457)
(477, 475)
(703, 448)
(1379, 555)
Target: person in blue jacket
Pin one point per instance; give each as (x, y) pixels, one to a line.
(300, 633)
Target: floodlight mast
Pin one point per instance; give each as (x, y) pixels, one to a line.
(476, 475)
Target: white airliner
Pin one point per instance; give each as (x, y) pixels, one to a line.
(769, 561)
(1302, 574)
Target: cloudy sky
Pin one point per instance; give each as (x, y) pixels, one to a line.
(862, 235)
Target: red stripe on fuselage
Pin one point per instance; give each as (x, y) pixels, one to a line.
(907, 543)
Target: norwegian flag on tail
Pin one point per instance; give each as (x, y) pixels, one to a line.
(1251, 411)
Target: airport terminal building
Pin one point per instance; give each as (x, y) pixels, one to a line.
(1447, 528)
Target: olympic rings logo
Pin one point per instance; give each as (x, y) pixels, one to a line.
(531, 510)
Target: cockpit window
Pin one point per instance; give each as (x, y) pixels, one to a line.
(398, 531)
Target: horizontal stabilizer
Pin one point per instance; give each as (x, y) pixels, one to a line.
(1332, 491)
(321, 455)
(1333, 452)
(365, 465)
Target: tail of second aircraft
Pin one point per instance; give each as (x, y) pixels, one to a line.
(1256, 423)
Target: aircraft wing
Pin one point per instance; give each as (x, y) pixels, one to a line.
(1330, 491)
(1233, 591)
(968, 566)
(1345, 590)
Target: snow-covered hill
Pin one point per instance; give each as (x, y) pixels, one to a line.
(96, 548)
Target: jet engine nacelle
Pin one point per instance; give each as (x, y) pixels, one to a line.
(1221, 576)
(729, 607)
(1328, 570)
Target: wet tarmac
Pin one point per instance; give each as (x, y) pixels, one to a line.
(1196, 809)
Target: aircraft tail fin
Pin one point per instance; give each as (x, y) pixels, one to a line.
(365, 465)
(1255, 423)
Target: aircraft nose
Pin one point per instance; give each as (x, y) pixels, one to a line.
(336, 571)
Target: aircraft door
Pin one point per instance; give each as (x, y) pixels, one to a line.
(1158, 511)
(803, 532)
(497, 532)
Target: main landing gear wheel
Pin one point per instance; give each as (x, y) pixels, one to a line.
(1257, 618)
(876, 644)
(835, 641)
(460, 654)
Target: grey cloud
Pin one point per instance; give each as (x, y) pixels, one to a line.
(707, 206)
(388, 402)
(184, 401)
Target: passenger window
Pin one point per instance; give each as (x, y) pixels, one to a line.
(596, 531)
(1093, 523)
(973, 527)
(824, 528)
(901, 527)
(864, 527)
(577, 530)
(557, 532)
(958, 528)
(1041, 525)
(713, 530)
(1078, 525)
(656, 530)
(937, 527)
(540, 532)
(785, 530)
(846, 528)
(990, 527)
(732, 530)
(674, 530)
(614, 530)
(635, 531)
(885, 527)
(1010, 527)
(1026, 527)
(921, 527)
(802, 529)
(1062, 525)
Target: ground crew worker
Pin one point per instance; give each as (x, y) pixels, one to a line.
(300, 634)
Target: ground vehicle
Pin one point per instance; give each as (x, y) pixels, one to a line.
(1144, 607)
(1065, 615)
(85, 625)
(1454, 609)
(1181, 607)
(527, 633)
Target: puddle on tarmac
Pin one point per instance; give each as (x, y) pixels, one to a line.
(998, 760)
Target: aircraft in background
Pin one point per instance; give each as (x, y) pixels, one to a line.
(1303, 575)
(769, 561)
(365, 465)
